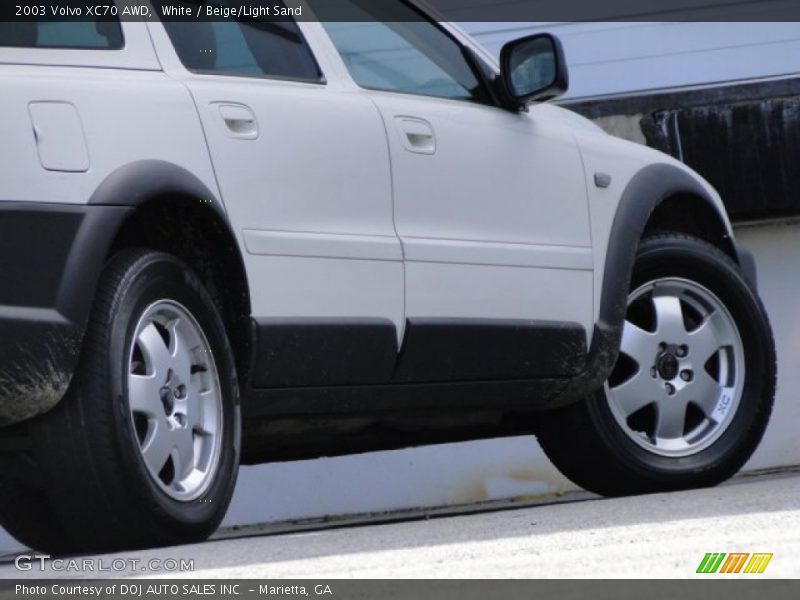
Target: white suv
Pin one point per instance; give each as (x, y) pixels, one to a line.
(231, 241)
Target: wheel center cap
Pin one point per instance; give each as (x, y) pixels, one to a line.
(667, 366)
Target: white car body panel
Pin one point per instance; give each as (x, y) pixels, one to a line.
(309, 196)
(495, 207)
(118, 128)
(163, 128)
(497, 210)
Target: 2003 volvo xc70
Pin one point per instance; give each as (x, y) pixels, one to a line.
(248, 241)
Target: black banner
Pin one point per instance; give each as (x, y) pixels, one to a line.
(233, 589)
(510, 11)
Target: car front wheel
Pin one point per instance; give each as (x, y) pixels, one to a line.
(692, 390)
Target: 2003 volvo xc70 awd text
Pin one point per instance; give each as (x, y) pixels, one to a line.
(228, 242)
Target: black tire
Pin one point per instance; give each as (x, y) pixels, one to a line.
(588, 445)
(94, 483)
(26, 511)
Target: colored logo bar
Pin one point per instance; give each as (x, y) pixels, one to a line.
(737, 562)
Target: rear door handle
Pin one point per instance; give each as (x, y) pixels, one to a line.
(417, 135)
(240, 121)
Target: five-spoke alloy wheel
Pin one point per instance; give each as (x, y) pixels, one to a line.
(680, 379)
(693, 386)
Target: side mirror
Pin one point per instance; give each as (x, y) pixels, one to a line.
(533, 69)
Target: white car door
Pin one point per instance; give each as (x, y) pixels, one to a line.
(303, 169)
(490, 205)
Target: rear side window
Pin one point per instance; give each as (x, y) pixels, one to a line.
(246, 48)
(70, 35)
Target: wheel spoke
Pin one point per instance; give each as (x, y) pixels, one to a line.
(180, 352)
(195, 409)
(636, 393)
(704, 341)
(158, 447)
(669, 319)
(638, 343)
(671, 418)
(144, 394)
(157, 356)
(183, 453)
(704, 392)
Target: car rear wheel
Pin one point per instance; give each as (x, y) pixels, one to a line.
(691, 393)
(144, 449)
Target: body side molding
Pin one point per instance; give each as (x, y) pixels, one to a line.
(345, 365)
(440, 350)
(321, 352)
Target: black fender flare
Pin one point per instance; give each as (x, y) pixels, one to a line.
(646, 190)
(644, 193)
(135, 183)
(43, 341)
(129, 187)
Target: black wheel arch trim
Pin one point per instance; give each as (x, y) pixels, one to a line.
(76, 241)
(130, 187)
(138, 182)
(651, 186)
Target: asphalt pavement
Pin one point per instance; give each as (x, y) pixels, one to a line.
(656, 536)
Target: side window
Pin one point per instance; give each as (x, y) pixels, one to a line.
(249, 48)
(390, 47)
(70, 35)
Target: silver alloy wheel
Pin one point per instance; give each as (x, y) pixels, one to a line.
(680, 377)
(175, 399)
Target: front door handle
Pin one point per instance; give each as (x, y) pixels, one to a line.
(417, 135)
(239, 120)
